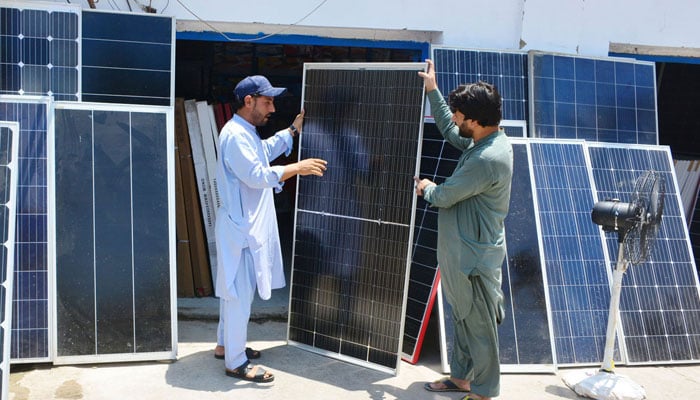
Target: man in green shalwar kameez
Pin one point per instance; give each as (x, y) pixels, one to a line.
(472, 202)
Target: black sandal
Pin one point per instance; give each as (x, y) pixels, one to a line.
(250, 353)
(244, 370)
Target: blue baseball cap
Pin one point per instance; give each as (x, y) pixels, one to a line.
(256, 84)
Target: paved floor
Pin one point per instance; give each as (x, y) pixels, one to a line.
(299, 374)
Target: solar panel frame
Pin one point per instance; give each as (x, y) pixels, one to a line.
(9, 162)
(319, 335)
(142, 349)
(650, 324)
(33, 277)
(45, 50)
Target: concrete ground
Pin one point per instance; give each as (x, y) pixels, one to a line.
(299, 374)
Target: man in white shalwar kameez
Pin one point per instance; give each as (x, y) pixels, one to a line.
(247, 239)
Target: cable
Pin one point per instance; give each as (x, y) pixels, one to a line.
(254, 39)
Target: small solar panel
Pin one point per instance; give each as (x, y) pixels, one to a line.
(131, 66)
(353, 226)
(40, 50)
(525, 340)
(596, 99)
(115, 264)
(506, 70)
(573, 251)
(660, 300)
(31, 300)
(9, 135)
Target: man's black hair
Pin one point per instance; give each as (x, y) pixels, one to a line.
(479, 101)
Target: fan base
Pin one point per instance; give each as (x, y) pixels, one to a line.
(603, 385)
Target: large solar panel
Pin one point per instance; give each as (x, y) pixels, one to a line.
(9, 135)
(31, 294)
(573, 251)
(115, 263)
(507, 70)
(660, 301)
(131, 66)
(596, 99)
(525, 339)
(353, 226)
(40, 50)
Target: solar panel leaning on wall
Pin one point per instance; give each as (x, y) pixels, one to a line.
(660, 298)
(9, 138)
(525, 334)
(596, 99)
(32, 280)
(128, 58)
(115, 261)
(353, 226)
(455, 66)
(40, 50)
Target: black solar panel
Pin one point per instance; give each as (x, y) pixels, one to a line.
(39, 50)
(353, 226)
(127, 58)
(31, 302)
(660, 301)
(9, 134)
(596, 99)
(114, 233)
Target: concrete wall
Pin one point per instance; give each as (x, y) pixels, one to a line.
(570, 26)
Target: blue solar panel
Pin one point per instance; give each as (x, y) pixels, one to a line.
(575, 263)
(506, 70)
(660, 301)
(31, 304)
(524, 335)
(596, 99)
(9, 134)
(39, 50)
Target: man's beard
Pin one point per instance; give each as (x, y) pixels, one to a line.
(464, 131)
(258, 118)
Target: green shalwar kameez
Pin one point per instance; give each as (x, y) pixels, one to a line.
(473, 202)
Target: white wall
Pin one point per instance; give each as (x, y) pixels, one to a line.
(569, 26)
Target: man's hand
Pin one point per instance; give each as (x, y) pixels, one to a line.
(299, 121)
(422, 184)
(429, 77)
(312, 166)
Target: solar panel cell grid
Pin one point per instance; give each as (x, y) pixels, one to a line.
(353, 225)
(659, 302)
(39, 51)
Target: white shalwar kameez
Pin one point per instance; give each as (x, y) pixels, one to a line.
(247, 238)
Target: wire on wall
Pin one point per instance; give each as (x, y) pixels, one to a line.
(253, 39)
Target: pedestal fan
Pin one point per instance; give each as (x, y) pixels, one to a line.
(636, 224)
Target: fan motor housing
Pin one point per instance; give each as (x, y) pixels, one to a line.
(615, 216)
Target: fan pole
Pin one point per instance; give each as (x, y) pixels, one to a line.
(620, 268)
